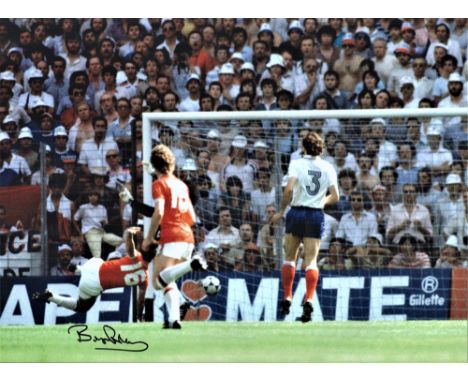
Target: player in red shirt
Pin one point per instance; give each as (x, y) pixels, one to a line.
(174, 213)
(98, 275)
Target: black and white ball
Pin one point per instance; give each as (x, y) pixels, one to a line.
(211, 285)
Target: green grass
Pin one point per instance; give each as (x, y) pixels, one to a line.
(411, 341)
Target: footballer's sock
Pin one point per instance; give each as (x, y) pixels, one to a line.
(288, 270)
(311, 276)
(66, 302)
(171, 297)
(171, 274)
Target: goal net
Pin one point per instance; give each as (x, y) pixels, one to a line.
(394, 247)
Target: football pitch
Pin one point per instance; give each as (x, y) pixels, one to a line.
(352, 341)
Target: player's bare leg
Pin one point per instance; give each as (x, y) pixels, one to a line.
(288, 270)
(311, 249)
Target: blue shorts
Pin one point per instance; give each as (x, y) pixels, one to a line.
(305, 222)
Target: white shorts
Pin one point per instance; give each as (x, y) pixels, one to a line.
(177, 250)
(89, 285)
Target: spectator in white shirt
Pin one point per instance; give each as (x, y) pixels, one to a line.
(357, 225)
(93, 217)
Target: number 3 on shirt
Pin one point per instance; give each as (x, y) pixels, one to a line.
(315, 175)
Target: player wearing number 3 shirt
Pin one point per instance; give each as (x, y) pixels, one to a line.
(98, 275)
(312, 184)
(174, 213)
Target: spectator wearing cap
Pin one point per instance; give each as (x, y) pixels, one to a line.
(449, 254)
(442, 32)
(277, 71)
(363, 42)
(7, 78)
(410, 218)
(25, 148)
(30, 99)
(448, 66)
(402, 68)
(239, 165)
(60, 148)
(10, 126)
(192, 101)
(348, 66)
(64, 256)
(93, 151)
(408, 255)
(213, 260)
(450, 201)
(226, 78)
(293, 43)
(239, 42)
(371, 256)
(408, 34)
(13, 161)
(435, 156)
(270, 38)
(237, 60)
(387, 151)
(455, 99)
(50, 169)
(218, 159)
(407, 90)
(200, 59)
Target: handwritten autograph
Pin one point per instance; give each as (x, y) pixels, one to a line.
(110, 338)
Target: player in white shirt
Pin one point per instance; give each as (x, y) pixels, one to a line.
(310, 178)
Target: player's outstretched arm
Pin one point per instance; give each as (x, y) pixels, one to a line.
(130, 239)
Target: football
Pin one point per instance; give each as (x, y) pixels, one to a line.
(211, 285)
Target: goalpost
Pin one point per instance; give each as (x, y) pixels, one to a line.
(355, 293)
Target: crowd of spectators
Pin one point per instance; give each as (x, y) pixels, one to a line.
(80, 86)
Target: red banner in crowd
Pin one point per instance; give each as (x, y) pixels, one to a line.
(21, 203)
(459, 306)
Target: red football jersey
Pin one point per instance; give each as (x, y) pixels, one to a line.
(179, 215)
(126, 271)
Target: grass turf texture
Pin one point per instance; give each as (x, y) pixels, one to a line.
(408, 341)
